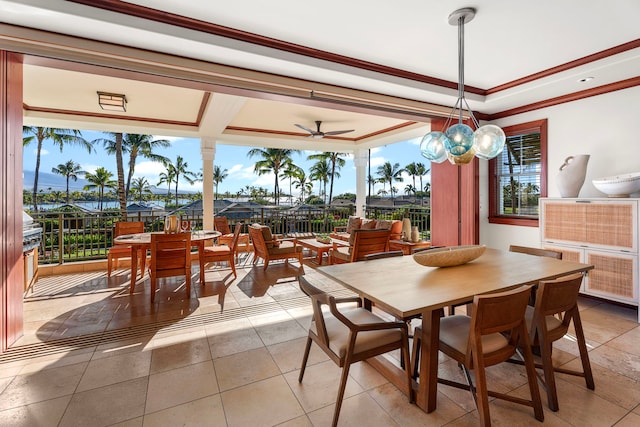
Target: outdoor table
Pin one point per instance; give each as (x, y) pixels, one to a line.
(142, 241)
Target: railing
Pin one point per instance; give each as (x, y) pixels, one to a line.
(80, 236)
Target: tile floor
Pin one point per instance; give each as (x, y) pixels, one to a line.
(94, 355)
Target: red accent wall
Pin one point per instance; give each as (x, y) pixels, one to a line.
(11, 262)
(455, 202)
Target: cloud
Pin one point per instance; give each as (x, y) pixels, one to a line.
(171, 139)
(89, 168)
(234, 170)
(43, 152)
(377, 161)
(150, 170)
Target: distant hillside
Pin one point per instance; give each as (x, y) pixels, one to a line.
(55, 182)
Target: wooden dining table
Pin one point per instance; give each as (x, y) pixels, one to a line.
(142, 242)
(402, 287)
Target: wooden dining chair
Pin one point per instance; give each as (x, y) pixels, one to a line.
(536, 251)
(116, 252)
(223, 253)
(362, 243)
(221, 224)
(349, 335)
(170, 256)
(556, 307)
(270, 248)
(492, 335)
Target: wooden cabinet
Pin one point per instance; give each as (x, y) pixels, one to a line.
(602, 232)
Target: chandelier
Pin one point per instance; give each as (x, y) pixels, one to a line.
(459, 143)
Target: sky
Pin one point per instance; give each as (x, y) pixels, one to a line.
(234, 159)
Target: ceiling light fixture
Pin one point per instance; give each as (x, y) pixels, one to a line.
(112, 101)
(459, 143)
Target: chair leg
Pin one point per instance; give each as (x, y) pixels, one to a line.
(232, 263)
(481, 395)
(532, 377)
(407, 366)
(109, 265)
(343, 385)
(549, 378)
(153, 288)
(582, 346)
(305, 358)
(266, 264)
(415, 353)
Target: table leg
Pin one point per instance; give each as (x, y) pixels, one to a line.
(320, 252)
(134, 267)
(200, 245)
(428, 385)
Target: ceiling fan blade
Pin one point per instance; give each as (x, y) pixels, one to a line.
(306, 128)
(338, 132)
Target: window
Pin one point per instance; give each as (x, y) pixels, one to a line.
(518, 176)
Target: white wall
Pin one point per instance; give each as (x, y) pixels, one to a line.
(607, 127)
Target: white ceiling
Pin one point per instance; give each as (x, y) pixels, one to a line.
(506, 41)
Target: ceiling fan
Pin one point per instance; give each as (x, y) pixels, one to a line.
(320, 134)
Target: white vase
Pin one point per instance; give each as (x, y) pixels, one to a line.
(572, 174)
(415, 234)
(406, 229)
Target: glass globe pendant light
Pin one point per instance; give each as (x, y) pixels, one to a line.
(459, 143)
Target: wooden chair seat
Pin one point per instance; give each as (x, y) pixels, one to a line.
(221, 224)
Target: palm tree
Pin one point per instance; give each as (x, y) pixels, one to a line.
(101, 179)
(303, 183)
(421, 170)
(140, 186)
(290, 171)
(69, 170)
(412, 169)
(116, 146)
(409, 189)
(336, 162)
(273, 160)
(320, 171)
(180, 168)
(143, 145)
(59, 137)
(218, 176)
(167, 178)
(389, 173)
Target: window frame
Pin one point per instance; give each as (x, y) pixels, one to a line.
(494, 216)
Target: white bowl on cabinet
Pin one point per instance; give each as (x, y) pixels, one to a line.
(618, 185)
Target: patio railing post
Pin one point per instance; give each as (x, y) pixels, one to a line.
(60, 237)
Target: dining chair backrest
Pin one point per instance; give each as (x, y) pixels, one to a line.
(170, 256)
(550, 253)
(369, 242)
(128, 227)
(221, 224)
(236, 237)
(501, 312)
(558, 296)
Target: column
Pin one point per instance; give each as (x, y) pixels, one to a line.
(208, 150)
(360, 159)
